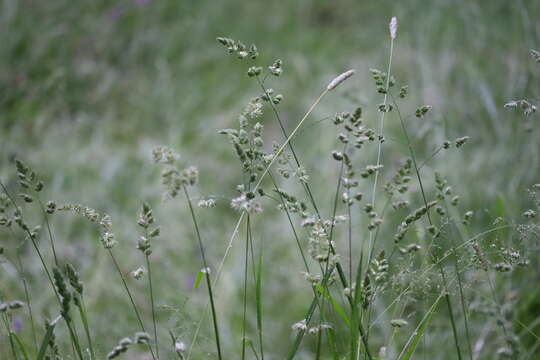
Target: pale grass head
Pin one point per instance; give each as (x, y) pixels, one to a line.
(393, 27)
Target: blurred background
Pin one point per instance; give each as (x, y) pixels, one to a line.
(88, 88)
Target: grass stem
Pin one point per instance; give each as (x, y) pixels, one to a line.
(207, 272)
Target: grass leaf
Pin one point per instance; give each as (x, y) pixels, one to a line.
(258, 300)
(414, 339)
(15, 337)
(335, 305)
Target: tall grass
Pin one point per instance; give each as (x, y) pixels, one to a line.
(320, 291)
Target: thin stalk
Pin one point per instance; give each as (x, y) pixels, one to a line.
(253, 350)
(379, 152)
(245, 291)
(330, 251)
(499, 306)
(257, 275)
(72, 333)
(338, 265)
(8, 329)
(463, 307)
(349, 234)
(461, 294)
(308, 317)
(315, 293)
(289, 138)
(304, 260)
(431, 157)
(436, 263)
(296, 237)
(132, 301)
(84, 318)
(319, 342)
(379, 148)
(463, 233)
(289, 143)
(441, 269)
(75, 338)
(239, 221)
(51, 238)
(216, 280)
(34, 244)
(152, 303)
(291, 147)
(27, 298)
(207, 272)
(370, 255)
(326, 275)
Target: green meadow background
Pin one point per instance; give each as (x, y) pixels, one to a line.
(88, 88)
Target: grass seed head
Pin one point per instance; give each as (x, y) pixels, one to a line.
(339, 79)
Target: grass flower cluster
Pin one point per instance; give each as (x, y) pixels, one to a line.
(387, 251)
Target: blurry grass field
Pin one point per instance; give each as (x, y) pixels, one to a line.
(88, 88)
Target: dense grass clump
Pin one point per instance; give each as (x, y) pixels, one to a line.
(356, 225)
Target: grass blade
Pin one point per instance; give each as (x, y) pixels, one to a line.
(335, 304)
(15, 337)
(412, 343)
(258, 300)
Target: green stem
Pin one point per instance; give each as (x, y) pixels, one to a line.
(34, 244)
(461, 293)
(51, 238)
(207, 272)
(27, 298)
(291, 147)
(289, 218)
(441, 269)
(42, 260)
(74, 338)
(84, 318)
(132, 301)
(8, 329)
(379, 148)
(152, 304)
(289, 138)
(245, 291)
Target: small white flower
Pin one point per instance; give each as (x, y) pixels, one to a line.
(253, 109)
(300, 326)
(138, 273)
(179, 347)
(209, 203)
(242, 203)
(309, 221)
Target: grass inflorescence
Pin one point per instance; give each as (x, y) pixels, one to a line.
(373, 252)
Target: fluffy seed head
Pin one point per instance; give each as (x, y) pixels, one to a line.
(338, 80)
(393, 27)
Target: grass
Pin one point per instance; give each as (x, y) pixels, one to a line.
(92, 88)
